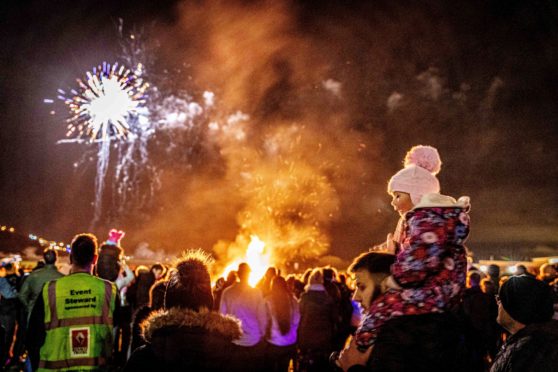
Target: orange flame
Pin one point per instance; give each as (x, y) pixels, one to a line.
(256, 257)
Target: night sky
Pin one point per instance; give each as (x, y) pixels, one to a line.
(339, 90)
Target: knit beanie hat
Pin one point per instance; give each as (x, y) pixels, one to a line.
(418, 177)
(190, 284)
(526, 299)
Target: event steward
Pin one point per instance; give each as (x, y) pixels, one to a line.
(72, 321)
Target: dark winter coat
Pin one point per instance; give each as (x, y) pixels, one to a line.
(533, 348)
(138, 291)
(318, 318)
(185, 340)
(429, 342)
(139, 317)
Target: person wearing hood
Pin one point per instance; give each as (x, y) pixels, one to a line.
(414, 343)
(186, 335)
(428, 275)
(525, 309)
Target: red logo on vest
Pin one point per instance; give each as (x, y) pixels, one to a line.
(79, 338)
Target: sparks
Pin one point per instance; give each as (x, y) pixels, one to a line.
(105, 102)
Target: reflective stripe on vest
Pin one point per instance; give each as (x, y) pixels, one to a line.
(105, 317)
(77, 362)
(78, 322)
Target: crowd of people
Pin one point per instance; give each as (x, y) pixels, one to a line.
(414, 303)
(172, 318)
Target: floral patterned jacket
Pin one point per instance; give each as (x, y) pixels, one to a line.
(430, 269)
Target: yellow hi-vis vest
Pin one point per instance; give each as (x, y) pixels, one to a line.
(78, 323)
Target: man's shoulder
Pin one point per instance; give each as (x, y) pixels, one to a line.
(428, 342)
(545, 332)
(423, 327)
(229, 289)
(531, 349)
(107, 283)
(44, 272)
(83, 277)
(239, 288)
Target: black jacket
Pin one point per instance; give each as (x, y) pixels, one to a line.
(533, 348)
(185, 340)
(318, 318)
(430, 342)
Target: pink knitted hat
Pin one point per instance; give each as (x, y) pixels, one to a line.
(422, 164)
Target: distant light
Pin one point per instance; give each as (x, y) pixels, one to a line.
(12, 229)
(484, 268)
(512, 269)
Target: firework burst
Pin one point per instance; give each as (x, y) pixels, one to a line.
(105, 103)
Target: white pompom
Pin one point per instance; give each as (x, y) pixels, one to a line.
(426, 157)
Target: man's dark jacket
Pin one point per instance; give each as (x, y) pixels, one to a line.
(533, 348)
(430, 342)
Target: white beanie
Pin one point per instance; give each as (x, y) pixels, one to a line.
(422, 163)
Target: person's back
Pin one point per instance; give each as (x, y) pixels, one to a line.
(71, 325)
(186, 335)
(429, 342)
(247, 304)
(186, 340)
(33, 284)
(318, 316)
(80, 306)
(9, 310)
(139, 290)
(317, 321)
(10, 288)
(284, 314)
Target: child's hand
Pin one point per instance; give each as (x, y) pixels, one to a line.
(390, 244)
(386, 247)
(390, 283)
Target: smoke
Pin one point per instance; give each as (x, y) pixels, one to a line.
(313, 107)
(312, 114)
(283, 158)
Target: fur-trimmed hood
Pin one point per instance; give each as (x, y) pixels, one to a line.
(226, 326)
(186, 340)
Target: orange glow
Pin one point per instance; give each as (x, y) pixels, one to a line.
(256, 257)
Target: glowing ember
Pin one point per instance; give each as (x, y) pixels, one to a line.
(256, 257)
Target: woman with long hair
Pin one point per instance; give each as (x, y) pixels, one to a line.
(283, 311)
